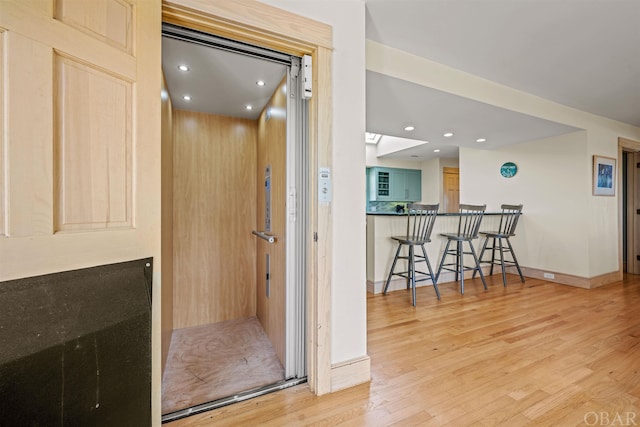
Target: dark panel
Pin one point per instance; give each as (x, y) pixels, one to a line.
(76, 348)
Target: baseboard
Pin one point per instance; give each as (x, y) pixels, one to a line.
(570, 280)
(534, 273)
(398, 283)
(350, 373)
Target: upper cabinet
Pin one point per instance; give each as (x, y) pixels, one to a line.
(394, 185)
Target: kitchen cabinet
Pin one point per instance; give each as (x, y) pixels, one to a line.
(394, 184)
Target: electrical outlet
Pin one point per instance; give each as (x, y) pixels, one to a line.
(549, 276)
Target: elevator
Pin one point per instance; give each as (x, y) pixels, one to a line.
(239, 211)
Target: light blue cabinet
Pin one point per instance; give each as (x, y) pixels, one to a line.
(414, 185)
(394, 185)
(379, 184)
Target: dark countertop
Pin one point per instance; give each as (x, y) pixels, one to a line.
(386, 213)
(439, 213)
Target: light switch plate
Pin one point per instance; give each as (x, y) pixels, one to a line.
(324, 185)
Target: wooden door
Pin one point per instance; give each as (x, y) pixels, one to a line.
(271, 218)
(451, 189)
(80, 137)
(81, 177)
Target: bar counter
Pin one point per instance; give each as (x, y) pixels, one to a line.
(381, 248)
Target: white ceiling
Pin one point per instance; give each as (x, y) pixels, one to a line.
(581, 53)
(393, 103)
(219, 82)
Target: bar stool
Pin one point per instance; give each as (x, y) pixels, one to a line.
(420, 220)
(468, 226)
(506, 229)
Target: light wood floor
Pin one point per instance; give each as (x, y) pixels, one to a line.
(537, 353)
(219, 360)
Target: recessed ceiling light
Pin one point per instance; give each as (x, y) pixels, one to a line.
(260, 83)
(481, 139)
(187, 97)
(436, 151)
(248, 107)
(183, 67)
(409, 128)
(448, 135)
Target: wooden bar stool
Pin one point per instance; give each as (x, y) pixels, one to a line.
(506, 229)
(468, 226)
(420, 222)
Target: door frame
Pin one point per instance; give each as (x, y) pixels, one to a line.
(632, 225)
(266, 26)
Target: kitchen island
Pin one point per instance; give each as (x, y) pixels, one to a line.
(381, 248)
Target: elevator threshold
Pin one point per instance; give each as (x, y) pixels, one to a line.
(218, 403)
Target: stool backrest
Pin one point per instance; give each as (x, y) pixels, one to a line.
(509, 219)
(420, 220)
(470, 219)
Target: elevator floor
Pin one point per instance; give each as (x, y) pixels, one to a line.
(215, 361)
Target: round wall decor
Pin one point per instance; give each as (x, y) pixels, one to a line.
(508, 170)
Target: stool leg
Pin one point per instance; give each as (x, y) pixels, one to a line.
(408, 278)
(484, 247)
(475, 257)
(515, 260)
(433, 279)
(412, 262)
(504, 273)
(460, 265)
(393, 266)
(444, 255)
(493, 255)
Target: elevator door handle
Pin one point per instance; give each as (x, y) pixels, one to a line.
(264, 236)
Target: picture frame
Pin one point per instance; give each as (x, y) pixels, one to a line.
(604, 176)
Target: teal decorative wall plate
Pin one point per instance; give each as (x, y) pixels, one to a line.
(508, 169)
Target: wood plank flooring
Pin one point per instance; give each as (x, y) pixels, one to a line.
(219, 360)
(537, 353)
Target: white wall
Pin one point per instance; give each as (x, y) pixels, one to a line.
(431, 181)
(552, 184)
(603, 215)
(348, 290)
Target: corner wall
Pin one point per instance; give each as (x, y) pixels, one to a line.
(348, 289)
(598, 217)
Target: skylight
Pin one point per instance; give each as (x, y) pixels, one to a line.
(372, 138)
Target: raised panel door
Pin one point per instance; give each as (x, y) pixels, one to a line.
(451, 190)
(81, 140)
(82, 159)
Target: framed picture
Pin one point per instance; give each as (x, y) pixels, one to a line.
(604, 176)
